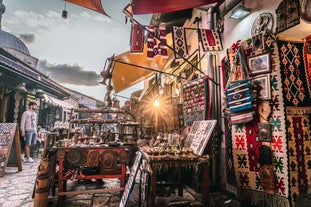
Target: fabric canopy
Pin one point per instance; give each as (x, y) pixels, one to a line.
(125, 75)
(162, 6)
(57, 102)
(95, 5)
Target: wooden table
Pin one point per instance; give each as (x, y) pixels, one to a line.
(180, 162)
(62, 152)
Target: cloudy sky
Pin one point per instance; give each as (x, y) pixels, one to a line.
(71, 51)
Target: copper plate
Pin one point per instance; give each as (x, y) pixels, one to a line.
(73, 156)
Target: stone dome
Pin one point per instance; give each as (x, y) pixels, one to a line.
(8, 40)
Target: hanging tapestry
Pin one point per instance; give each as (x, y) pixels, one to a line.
(245, 178)
(277, 121)
(210, 40)
(150, 42)
(196, 100)
(162, 48)
(231, 180)
(246, 47)
(253, 146)
(287, 15)
(137, 38)
(179, 42)
(246, 147)
(295, 84)
(299, 145)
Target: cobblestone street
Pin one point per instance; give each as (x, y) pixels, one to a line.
(16, 189)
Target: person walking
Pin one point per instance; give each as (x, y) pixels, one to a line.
(29, 129)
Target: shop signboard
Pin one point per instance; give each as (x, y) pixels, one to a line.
(9, 147)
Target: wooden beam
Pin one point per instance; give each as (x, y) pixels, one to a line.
(107, 190)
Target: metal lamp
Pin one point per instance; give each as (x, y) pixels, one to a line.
(240, 12)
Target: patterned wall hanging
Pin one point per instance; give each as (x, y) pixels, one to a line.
(195, 100)
(151, 42)
(179, 42)
(245, 145)
(295, 84)
(210, 40)
(137, 38)
(299, 144)
(278, 127)
(162, 48)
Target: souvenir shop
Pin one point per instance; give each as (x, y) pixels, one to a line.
(234, 99)
(267, 108)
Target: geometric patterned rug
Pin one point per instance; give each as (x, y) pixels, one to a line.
(299, 145)
(277, 121)
(294, 74)
(245, 145)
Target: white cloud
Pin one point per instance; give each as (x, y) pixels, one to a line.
(85, 38)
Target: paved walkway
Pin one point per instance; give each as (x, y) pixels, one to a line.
(16, 189)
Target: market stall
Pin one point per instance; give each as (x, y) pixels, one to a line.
(90, 149)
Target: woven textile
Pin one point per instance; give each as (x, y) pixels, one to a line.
(179, 42)
(239, 96)
(246, 148)
(162, 48)
(210, 40)
(277, 121)
(299, 143)
(150, 42)
(137, 38)
(231, 180)
(295, 84)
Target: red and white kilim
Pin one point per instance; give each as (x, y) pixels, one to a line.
(150, 42)
(210, 40)
(162, 45)
(137, 38)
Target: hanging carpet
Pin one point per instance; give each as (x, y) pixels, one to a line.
(210, 40)
(137, 38)
(299, 145)
(245, 147)
(293, 70)
(179, 42)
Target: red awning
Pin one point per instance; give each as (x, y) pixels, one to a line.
(163, 6)
(95, 5)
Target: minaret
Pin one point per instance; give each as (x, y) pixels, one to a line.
(2, 10)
